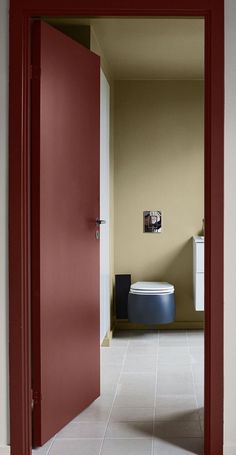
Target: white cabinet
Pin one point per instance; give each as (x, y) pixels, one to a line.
(198, 273)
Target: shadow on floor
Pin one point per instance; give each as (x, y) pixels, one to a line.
(182, 431)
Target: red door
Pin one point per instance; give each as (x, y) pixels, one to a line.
(65, 251)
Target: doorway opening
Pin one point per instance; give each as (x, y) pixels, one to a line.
(209, 228)
(155, 143)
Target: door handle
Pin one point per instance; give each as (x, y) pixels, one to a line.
(98, 221)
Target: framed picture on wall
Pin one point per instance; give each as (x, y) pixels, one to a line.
(152, 221)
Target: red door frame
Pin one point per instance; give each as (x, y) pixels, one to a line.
(21, 12)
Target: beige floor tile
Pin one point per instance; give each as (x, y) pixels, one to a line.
(110, 374)
(197, 354)
(179, 446)
(198, 373)
(202, 426)
(120, 338)
(178, 355)
(196, 332)
(142, 349)
(201, 413)
(136, 388)
(127, 447)
(146, 379)
(127, 414)
(108, 388)
(172, 380)
(172, 338)
(140, 364)
(164, 413)
(105, 400)
(135, 395)
(76, 447)
(172, 387)
(94, 413)
(195, 338)
(44, 449)
(144, 335)
(199, 390)
(170, 371)
(175, 429)
(143, 400)
(196, 342)
(113, 355)
(79, 430)
(176, 407)
(129, 429)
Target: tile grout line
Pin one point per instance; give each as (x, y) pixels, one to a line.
(127, 437)
(34, 451)
(112, 405)
(110, 437)
(49, 448)
(194, 387)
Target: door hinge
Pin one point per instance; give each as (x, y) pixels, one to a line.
(34, 72)
(36, 398)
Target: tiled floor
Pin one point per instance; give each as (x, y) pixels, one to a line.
(151, 399)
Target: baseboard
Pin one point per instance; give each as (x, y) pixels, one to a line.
(123, 324)
(107, 339)
(229, 449)
(5, 450)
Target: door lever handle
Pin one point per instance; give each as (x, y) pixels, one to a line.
(98, 221)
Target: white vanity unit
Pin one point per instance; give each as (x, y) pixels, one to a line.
(198, 272)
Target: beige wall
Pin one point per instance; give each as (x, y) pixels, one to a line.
(158, 142)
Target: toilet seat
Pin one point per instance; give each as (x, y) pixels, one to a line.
(151, 288)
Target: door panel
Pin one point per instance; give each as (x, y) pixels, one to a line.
(65, 251)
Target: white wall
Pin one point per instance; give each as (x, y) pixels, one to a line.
(3, 227)
(230, 230)
(104, 207)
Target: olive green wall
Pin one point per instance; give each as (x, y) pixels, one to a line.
(158, 146)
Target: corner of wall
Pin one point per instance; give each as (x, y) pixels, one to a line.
(112, 271)
(95, 47)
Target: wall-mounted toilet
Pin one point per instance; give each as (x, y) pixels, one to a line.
(151, 303)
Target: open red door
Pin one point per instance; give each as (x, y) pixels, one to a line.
(65, 250)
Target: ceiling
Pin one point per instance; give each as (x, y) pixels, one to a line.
(150, 48)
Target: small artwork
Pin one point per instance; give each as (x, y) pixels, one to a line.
(152, 221)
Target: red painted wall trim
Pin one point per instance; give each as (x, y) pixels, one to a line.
(19, 194)
(19, 240)
(214, 192)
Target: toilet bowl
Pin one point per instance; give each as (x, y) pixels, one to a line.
(151, 302)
